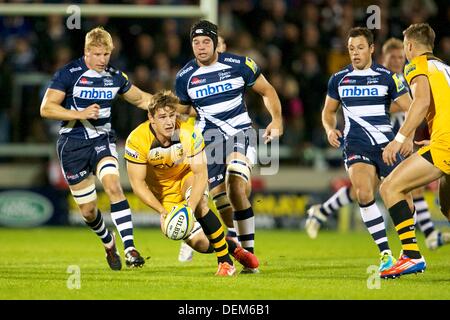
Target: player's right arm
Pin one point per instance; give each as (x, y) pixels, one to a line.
(137, 173)
(185, 107)
(51, 108)
(329, 121)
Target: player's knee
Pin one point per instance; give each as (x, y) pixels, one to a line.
(364, 195)
(88, 211)
(113, 189)
(85, 197)
(384, 187)
(237, 189)
(239, 169)
(107, 167)
(389, 187)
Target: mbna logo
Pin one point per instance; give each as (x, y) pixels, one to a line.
(359, 92)
(96, 94)
(209, 90)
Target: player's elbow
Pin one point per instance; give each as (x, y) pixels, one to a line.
(44, 111)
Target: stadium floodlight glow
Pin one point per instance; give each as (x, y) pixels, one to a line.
(206, 9)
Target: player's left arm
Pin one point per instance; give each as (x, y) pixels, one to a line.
(273, 105)
(137, 97)
(199, 169)
(420, 89)
(401, 104)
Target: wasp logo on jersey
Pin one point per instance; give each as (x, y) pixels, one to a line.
(409, 68)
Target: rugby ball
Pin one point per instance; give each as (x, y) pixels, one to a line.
(179, 222)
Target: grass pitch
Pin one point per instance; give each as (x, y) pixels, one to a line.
(34, 264)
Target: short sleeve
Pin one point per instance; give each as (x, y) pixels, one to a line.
(125, 83)
(418, 66)
(332, 90)
(192, 139)
(181, 91)
(250, 71)
(396, 87)
(134, 149)
(197, 144)
(61, 81)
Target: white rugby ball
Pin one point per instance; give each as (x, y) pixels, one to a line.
(179, 222)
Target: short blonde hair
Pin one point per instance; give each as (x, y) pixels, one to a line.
(421, 33)
(391, 44)
(162, 99)
(98, 37)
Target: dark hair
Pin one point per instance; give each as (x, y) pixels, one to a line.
(205, 28)
(421, 33)
(361, 31)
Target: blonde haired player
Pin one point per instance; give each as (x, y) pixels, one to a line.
(429, 80)
(81, 95)
(166, 165)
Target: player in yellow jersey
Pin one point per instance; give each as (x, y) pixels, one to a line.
(166, 166)
(429, 80)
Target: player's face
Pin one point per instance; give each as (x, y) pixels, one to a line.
(203, 48)
(97, 58)
(394, 60)
(163, 121)
(360, 52)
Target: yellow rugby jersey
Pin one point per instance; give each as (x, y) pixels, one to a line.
(164, 163)
(438, 74)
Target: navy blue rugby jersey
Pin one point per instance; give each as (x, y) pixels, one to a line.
(397, 118)
(217, 92)
(365, 97)
(83, 87)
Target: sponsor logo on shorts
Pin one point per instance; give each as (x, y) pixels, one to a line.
(357, 157)
(99, 149)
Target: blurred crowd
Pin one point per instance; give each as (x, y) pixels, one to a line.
(297, 44)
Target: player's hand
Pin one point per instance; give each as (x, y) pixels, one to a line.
(333, 136)
(162, 217)
(390, 152)
(422, 143)
(273, 130)
(91, 112)
(407, 147)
